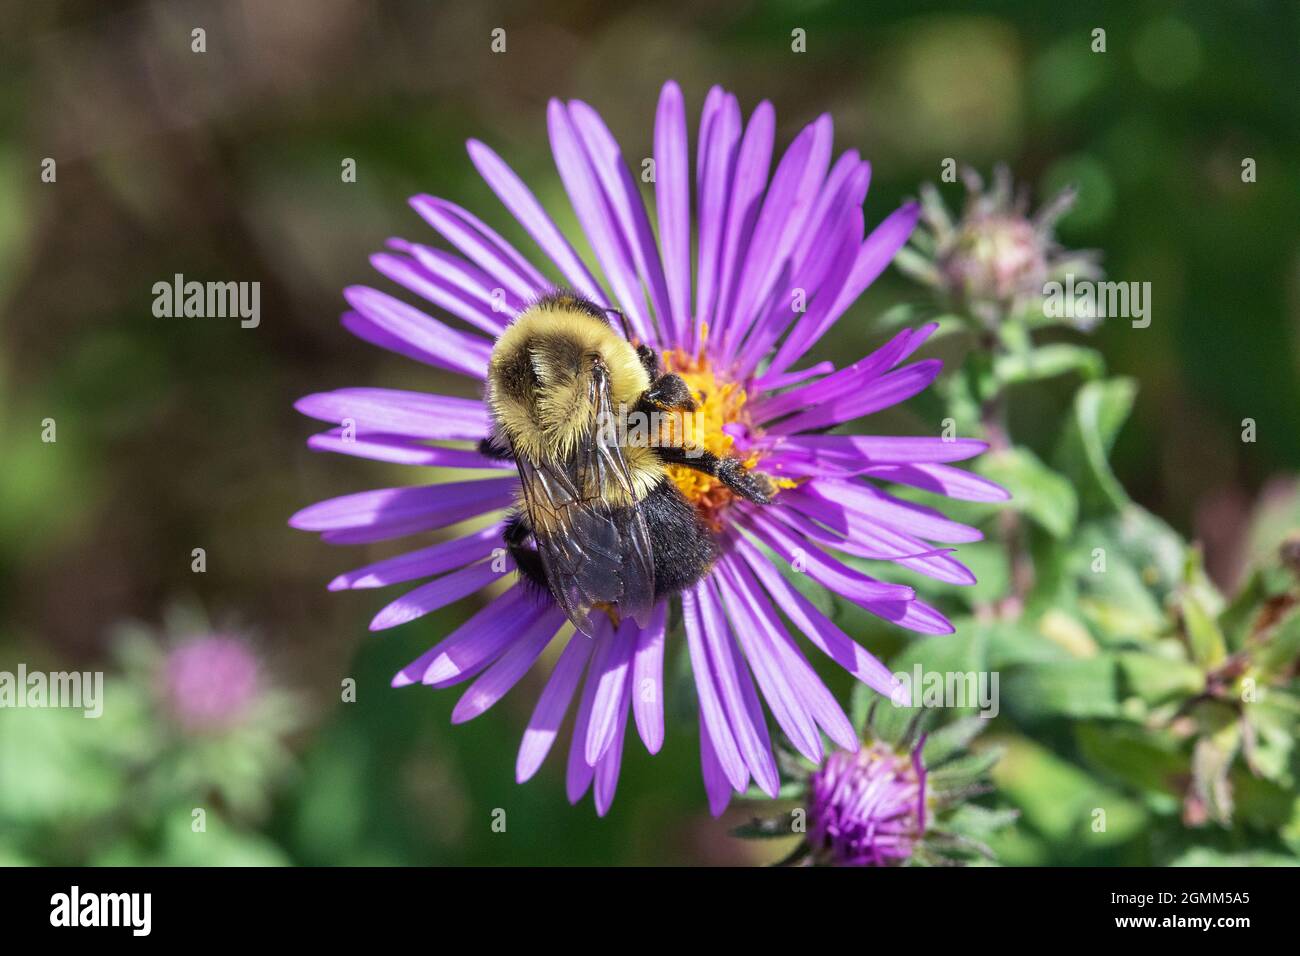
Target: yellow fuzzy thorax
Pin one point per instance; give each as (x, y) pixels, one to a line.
(548, 421)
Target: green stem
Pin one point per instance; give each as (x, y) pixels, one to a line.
(1010, 528)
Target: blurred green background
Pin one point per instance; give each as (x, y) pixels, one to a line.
(179, 433)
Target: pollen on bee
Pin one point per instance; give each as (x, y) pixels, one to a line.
(610, 611)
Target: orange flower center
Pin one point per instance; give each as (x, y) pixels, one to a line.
(720, 403)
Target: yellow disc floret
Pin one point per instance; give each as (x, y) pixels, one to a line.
(720, 404)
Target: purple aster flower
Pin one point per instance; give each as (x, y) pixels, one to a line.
(780, 259)
(867, 808)
(209, 683)
(995, 258)
(899, 799)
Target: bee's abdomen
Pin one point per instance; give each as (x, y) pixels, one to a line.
(684, 549)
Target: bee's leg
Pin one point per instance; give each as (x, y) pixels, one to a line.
(669, 391)
(732, 472)
(649, 360)
(529, 562)
(490, 449)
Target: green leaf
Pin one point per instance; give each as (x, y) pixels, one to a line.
(1118, 586)
(1100, 409)
(960, 774)
(1036, 490)
(1211, 762)
(947, 742)
(1157, 679)
(1152, 763)
(1271, 744)
(972, 820)
(1063, 804)
(1203, 635)
(1049, 361)
(1073, 688)
(1281, 649)
(1238, 619)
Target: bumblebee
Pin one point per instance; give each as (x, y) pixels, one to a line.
(599, 523)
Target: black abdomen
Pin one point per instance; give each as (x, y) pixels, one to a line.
(684, 548)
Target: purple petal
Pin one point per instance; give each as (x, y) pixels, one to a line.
(887, 390)
(747, 185)
(892, 602)
(846, 185)
(648, 681)
(544, 725)
(790, 663)
(774, 382)
(819, 629)
(880, 543)
(491, 303)
(712, 714)
(579, 773)
(609, 669)
(878, 250)
(719, 140)
(521, 202)
(478, 639)
(764, 332)
(716, 785)
(916, 616)
(752, 630)
(608, 767)
(386, 529)
(673, 205)
(858, 450)
(482, 245)
(394, 412)
(436, 594)
(822, 259)
(736, 689)
(790, 198)
(424, 563)
(942, 480)
(856, 496)
(841, 382)
(607, 239)
(427, 276)
(368, 330)
(842, 239)
(400, 451)
(867, 538)
(497, 680)
(824, 569)
(457, 351)
(429, 505)
(624, 200)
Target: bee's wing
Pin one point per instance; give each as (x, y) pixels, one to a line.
(592, 552)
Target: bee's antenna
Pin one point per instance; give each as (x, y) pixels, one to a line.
(622, 321)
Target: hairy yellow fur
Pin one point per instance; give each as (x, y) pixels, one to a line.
(545, 417)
